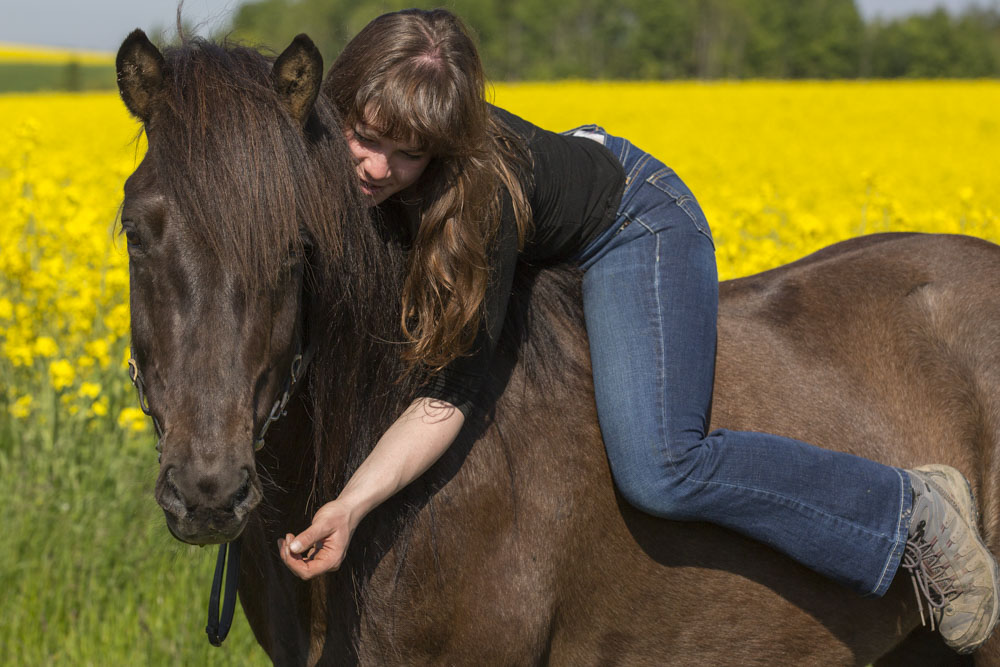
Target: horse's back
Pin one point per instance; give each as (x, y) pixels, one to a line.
(885, 346)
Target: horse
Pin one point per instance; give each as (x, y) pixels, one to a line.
(250, 248)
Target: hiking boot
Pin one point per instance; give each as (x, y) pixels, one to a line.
(951, 568)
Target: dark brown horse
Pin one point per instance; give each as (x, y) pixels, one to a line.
(248, 242)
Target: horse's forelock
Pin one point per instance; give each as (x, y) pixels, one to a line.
(246, 179)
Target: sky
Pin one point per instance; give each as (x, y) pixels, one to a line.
(894, 8)
(103, 24)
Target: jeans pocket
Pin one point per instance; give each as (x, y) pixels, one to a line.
(667, 181)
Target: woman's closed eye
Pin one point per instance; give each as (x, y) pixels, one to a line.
(364, 138)
(374, 140)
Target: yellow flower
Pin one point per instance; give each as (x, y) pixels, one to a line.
(61, 374)
(18, 353)
(132, 419)
(117, 320)
(46, 347)
(100, 349)
(89, 390)
(6, 309)
(21, 407)
(99, 407)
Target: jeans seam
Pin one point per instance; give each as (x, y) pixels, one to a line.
(637, 169)
(654, 179)
(683, 200)
(661, 370)
(895, 553)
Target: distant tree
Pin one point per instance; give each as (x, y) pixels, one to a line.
(660, 39)
(824, 39)
(936, 45)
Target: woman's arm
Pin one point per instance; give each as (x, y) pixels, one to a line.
(411, 445)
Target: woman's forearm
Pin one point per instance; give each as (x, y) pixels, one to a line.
(410, 446)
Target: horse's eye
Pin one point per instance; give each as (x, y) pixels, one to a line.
(132, 237)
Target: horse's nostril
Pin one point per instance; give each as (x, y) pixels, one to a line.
(171, 498)
(241, 494)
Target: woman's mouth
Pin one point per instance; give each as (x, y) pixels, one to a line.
(370, 189)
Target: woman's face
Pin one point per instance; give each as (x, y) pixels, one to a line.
(385, 166)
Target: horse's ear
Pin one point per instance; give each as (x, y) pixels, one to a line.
(140, 74)
(297, 75)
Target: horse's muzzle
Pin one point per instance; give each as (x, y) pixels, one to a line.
(202, 509)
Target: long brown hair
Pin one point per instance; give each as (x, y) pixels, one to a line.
(415, 76)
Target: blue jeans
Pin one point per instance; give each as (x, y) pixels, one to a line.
(650, 294)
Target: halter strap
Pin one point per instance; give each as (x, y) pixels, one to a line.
(299, 364)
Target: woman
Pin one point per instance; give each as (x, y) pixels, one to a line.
(432, 155)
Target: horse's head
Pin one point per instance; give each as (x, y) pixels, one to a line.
(219, 219)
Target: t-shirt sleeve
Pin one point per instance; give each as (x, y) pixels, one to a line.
(461, 381)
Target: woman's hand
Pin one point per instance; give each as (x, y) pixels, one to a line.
(320, 547)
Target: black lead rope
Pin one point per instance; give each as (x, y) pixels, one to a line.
(218, 625)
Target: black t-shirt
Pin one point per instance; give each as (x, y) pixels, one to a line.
(574, 196)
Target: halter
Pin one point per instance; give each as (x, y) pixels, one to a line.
(299, 364)
(218, 625)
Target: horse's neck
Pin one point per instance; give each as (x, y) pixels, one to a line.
(358, 388)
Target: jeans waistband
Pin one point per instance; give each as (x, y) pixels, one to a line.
(618, 146)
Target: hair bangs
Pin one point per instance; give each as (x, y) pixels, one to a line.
(420, 106)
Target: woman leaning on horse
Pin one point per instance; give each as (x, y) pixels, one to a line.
(477, 189)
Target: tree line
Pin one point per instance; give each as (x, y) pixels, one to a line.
(668, 39)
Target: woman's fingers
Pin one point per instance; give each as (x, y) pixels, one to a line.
(307, 568)
(300, 565)
(303, 541)
(316, 550)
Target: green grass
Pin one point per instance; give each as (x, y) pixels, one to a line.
(72, 76)
(89, 574)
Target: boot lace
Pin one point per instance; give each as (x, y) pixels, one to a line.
(929, 572)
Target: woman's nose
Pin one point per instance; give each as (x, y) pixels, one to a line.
(377, 167)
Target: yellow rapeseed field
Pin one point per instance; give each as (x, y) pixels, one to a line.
(63, 281)
(24, 53)
(784, 168)
(781, 169)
